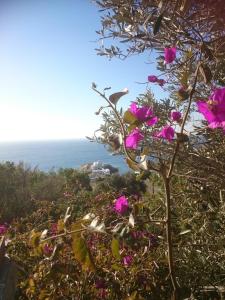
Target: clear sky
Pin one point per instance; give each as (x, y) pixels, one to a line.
(47, 65)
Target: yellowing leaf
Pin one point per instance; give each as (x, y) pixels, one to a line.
(35, 238)
(129, 118)
(115, 247)
(60, 225)
(82, 254)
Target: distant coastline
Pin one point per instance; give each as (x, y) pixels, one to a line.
(55, 154)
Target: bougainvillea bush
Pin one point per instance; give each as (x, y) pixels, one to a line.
(165, 241)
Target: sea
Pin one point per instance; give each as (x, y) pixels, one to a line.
(53, 155)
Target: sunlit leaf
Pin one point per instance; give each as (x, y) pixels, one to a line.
(144, 163)
(89, 216)
(44, 234)
(185, 232)
(131, 220)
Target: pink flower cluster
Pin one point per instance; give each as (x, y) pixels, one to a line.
(145, 114)
(213, 110)
(155, 79)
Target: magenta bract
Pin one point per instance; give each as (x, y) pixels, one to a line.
(127, 260)
(170, 54)
(166, 133)
(121, 205)
(175, 116)
(152, 78)
(161, 82)
(141, 113)
(152, 121)
(134, 138)
(214, 109)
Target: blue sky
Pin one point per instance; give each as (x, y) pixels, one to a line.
(47, 65)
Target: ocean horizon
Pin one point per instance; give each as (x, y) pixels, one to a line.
(50, 155)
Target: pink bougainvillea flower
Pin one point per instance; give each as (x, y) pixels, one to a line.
(155, 79)
(47, 249)
(134, 138)
(161, 82)
(152, 78)
(214, 109)
(167, 133)
(121, 205)
(127, 260)
(3, 229)
(152, 121)
(141, 113)
(170, 54)
(175, 116)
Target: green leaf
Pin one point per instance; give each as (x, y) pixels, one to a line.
(117, 267)
(115, 247)
(129, 118)
(82, 254)
(157, 24)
